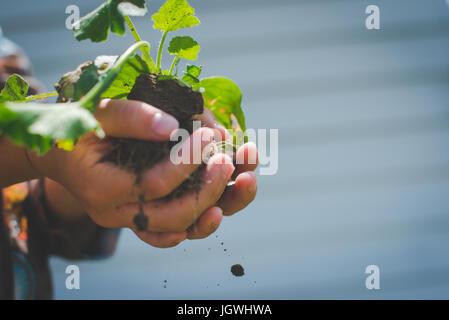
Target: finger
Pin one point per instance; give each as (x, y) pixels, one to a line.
(247, 158)
(208, 119)
(168, 174)
(161, 239)
(134, 119)
(179, 214)
(239, 195)
(207, 224)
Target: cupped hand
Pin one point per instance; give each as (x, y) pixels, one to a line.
(236, 196)
(109, 194)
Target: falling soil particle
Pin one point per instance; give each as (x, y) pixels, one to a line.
(237, 270)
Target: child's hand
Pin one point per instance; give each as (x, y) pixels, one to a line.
(110, 197)
(243, 192)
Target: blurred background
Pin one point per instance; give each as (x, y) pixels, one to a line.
(363, 121)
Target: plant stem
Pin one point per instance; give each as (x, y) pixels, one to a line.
(175, 60)
(89, 100)
(145, 50)
(159, 51)
(41, 96)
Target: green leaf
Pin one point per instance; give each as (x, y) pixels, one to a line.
(191, 76)
(75, 84)
(194, 71)
(6, 116)
(124, 82)
(16, 89)
(224, 98)
(38, 126)
(184, 47)
(86, 81)
(173, 15)
(108, 16)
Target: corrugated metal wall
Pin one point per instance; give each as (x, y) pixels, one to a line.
(363, 125)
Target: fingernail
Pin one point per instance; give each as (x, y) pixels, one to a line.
(103, 103)
(164, 124)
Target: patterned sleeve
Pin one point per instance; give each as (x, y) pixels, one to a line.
(35, 230)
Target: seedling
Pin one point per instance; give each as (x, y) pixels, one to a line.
(39, 126)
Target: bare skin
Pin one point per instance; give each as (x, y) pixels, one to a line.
(78, 186)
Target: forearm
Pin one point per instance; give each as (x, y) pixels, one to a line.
(64, 213)
(64, 232)
(62, 202)
(15, 166)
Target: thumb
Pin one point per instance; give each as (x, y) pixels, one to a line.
(134, 119)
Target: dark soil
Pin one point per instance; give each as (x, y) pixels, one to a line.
(237, 270)
(136, 155)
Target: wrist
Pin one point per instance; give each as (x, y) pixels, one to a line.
(15, 165)
(62, 203)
